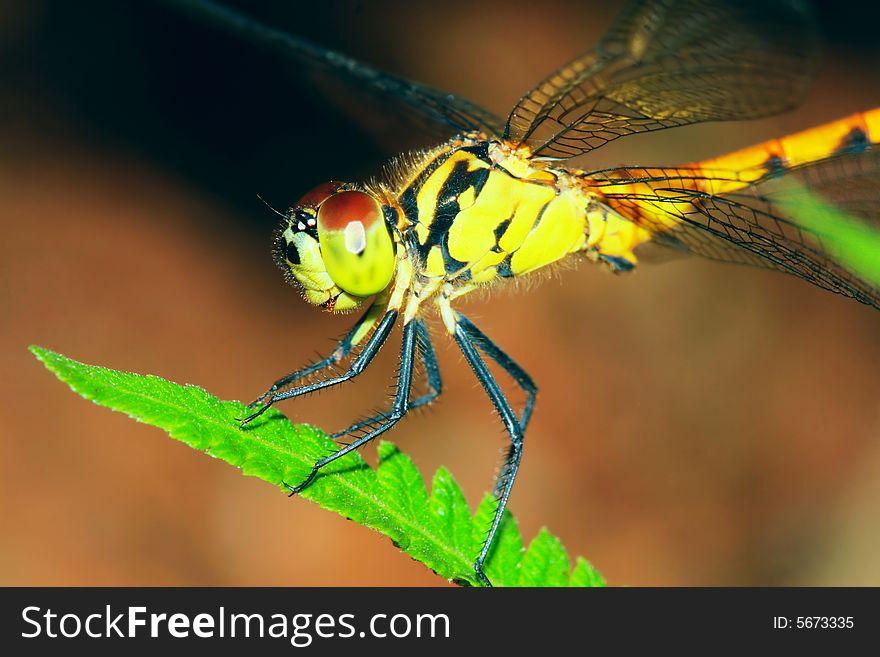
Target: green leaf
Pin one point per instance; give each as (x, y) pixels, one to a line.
(585, 575)
(852, 242)
(451, 512)
(437, 530)
(545, 563)
(507, 551)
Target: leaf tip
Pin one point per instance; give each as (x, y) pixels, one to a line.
(38, 351)
(47, 357)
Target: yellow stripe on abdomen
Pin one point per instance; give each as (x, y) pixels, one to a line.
(635, 220)
(751, 164)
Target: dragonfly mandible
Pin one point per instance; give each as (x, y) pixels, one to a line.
(494, 201)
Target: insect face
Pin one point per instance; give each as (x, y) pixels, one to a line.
(336, 246)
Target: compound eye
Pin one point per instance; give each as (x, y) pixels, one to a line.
(317, 195)
(357, 249)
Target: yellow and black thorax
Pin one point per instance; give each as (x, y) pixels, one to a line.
(474, 211)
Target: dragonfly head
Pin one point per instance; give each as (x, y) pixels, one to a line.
(336, 245)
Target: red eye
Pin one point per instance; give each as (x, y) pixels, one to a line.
(341, 209)
(318, 195)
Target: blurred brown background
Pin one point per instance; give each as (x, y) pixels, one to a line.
(697, 424)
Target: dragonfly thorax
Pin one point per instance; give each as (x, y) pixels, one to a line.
(476, 211)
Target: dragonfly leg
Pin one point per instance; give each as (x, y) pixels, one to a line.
(468, 345)
(371, 348)
(432, 374)
(342, 350)
(398, 410)
(517, 373)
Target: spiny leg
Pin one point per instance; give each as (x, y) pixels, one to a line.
(522, 378)
(514, 430)
(371, 348)
(493, 351)
(432, 374)
(342, 350)
(398, 410)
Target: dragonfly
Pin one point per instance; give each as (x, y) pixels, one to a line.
(495, 201)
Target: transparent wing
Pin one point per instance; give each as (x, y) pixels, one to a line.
(443, 112)
(668, 63)
(755, 223)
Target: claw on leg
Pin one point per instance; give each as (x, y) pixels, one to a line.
(478, 569)
(253, 416)
(295, 490)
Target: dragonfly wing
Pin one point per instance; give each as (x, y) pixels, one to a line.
(759, 220)
(668, 63)
(443, 112)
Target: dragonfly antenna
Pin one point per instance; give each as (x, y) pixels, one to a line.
(266, 203)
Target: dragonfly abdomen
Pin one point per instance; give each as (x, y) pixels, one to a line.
(847, 136)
